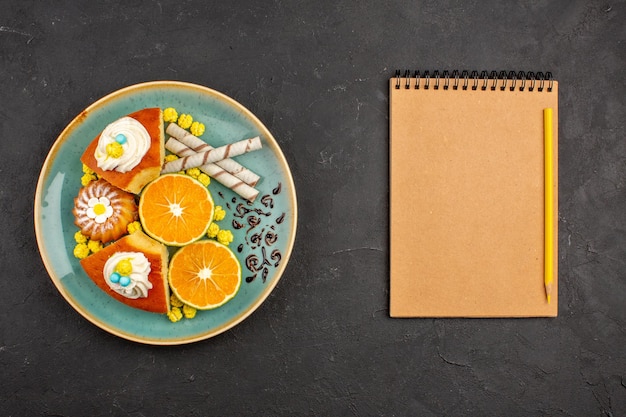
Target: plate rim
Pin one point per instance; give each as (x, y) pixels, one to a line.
(43, 175)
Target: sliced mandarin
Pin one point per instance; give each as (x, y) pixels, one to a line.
(205, 274)
(176, 209)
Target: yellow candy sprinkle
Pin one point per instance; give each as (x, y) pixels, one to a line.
(124, 267)
(185, 120)
(87, 178)
(196, 129)
(94, 245)
(189, 312)
(213, 230)
(81, 251)
(204, 179)
(133, 227)
(193, 172)
(175, 314)
(170, 115)
(114, 150)
(224, 237)
(220, 213)
(87, 170)
(80, 238)
(171, 157)
(175, 301)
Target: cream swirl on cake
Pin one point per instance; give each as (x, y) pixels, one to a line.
(122, 145)
(126, 273)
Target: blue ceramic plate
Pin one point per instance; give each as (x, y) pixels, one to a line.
(226, 121)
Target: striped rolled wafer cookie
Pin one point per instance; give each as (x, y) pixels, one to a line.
(214, 155)
(219, 174)
(198, 145)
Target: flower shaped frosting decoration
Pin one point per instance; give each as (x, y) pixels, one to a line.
(99, 209)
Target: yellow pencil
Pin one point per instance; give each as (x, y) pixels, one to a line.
(549, 203)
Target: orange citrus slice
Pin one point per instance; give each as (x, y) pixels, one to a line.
(205, 274)
(175, 209)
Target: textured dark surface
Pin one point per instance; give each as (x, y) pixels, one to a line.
(322, 344)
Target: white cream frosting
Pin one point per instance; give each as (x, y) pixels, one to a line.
(139, 283)
(135, 147)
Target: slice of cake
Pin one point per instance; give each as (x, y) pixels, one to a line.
(129, 152)
(133, 270)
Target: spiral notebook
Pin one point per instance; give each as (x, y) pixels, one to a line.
(469, 192)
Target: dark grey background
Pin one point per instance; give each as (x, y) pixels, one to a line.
(322, 344)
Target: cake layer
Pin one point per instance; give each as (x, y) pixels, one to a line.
(148, 168)
(158, 297)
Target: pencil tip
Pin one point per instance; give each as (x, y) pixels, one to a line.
(548, 296)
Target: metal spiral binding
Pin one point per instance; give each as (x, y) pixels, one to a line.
(520, 80)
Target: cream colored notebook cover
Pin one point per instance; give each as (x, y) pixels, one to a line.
(467, 194)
